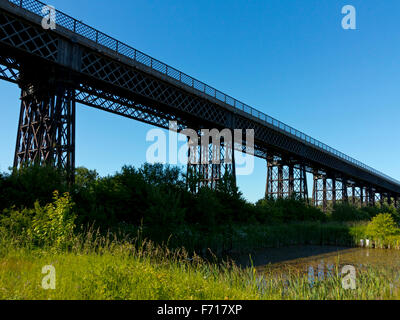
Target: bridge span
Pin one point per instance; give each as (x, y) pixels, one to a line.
(76, 63)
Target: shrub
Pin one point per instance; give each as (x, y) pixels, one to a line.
(382, 226)
(208, 208)
(287, 210)
(23, 187)
(15, 224)
(346, 212)
(53, 224)
(358, 231)
(164, 209)
(50, 225)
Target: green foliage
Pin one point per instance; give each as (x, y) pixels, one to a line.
(95, 267)
(382, 226)
(23, 187)
(50, 225)
(154, 195)
(159, 174)
(385, 208)
(287, 210)
(164, 209)
(227, 186)
(102, 268)
(192, 178)
(157, 197)
(347, 212)
(85, 178)
(358, 231)
(15, 224)
(208, 209)
(54, 223)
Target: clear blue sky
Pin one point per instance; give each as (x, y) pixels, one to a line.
(288, 58)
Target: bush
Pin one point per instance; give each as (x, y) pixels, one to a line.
(381, 227)
(15, 224)
(54, 223)
(208, 208)
(358, 231)
(23, 187)
(346, 212)
(51, 225)
(287, 210)
(164, 209)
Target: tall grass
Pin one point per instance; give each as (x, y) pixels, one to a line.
(103, 267)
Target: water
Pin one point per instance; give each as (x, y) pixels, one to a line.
(321, 259)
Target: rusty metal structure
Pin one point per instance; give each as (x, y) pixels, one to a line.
(75, 63)
(209, 162)
(286, 179)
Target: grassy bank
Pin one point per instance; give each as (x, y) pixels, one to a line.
(115, 274)
(114, 270)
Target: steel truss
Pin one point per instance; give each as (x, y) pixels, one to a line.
(9, 69)
(136, 89)
(286, 179)
(210, 163)
(370, 196)
(328, 191)
(389, 199)
(46, 128)
(126, 107)
(359, 195)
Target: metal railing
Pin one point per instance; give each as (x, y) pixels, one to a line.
(113, 44)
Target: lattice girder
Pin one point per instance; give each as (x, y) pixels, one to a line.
(285, 179)
(329, 191)
(46, 129)
(209, 163)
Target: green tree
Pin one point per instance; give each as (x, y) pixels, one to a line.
(84, 177)
(382, 226)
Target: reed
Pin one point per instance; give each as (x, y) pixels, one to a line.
(105, 267)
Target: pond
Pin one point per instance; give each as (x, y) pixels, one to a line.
(301, 258)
